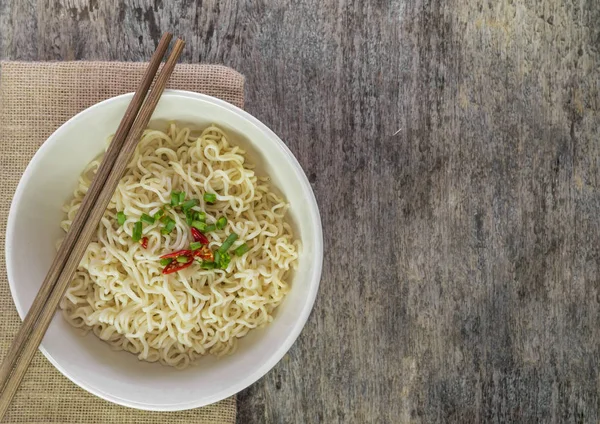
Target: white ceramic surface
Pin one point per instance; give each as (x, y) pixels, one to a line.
(33, 229)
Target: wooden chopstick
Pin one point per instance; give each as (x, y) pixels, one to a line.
(86, 206)
(80, 242)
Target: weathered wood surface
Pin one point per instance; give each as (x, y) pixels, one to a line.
(453, 147)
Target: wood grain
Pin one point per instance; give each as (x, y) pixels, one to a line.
(453, 148)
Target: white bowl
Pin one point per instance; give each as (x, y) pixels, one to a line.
(119, 377)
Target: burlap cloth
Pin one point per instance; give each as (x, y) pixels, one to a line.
(35, 99)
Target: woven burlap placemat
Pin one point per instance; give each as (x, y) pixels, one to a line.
(35, 99)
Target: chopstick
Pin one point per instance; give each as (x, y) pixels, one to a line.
(82, 215)
(30, 336)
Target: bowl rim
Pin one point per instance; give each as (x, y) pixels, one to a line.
(313, 280)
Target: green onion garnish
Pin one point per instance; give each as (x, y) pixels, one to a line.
(189, 217)
(241, 249)
(207, 265)
(189, 204)
(158, 214)
(182, 259)
(199, 216)
(210, 228)
(199, 225)
(181, 197)
(137, 231)
(147, 219)
(166, 261)
(231, 238)
(223, 260)
(174, 198)
(121, 217)
(195, 245)
(210, 197)
(169, 225)
(221, 223)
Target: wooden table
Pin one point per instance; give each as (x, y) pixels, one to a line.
(453, 146)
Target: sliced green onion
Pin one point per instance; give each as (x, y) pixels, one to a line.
(169, 225)
(182, 259)
(189, 204)
(199, 225)
(231, 238)
(210, 197)
(221, 223)
(195, 245)
(199, 216)
(181, 197)
(174, 198)
(192, 216)
(241, 249)
(121, 218)
(210, 228)
(166, 261)
(158, 214)
(147, 219)
(137, 231)
(189, 217)
(207, 265)
(223, 260)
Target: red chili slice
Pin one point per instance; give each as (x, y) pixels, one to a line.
(177, 266)
(205, 253)
(178, 253)
(144, 242)
(198, 236)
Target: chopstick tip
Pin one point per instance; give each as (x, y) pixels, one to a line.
(166, 37)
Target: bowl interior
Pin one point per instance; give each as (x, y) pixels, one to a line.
(33, 230)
